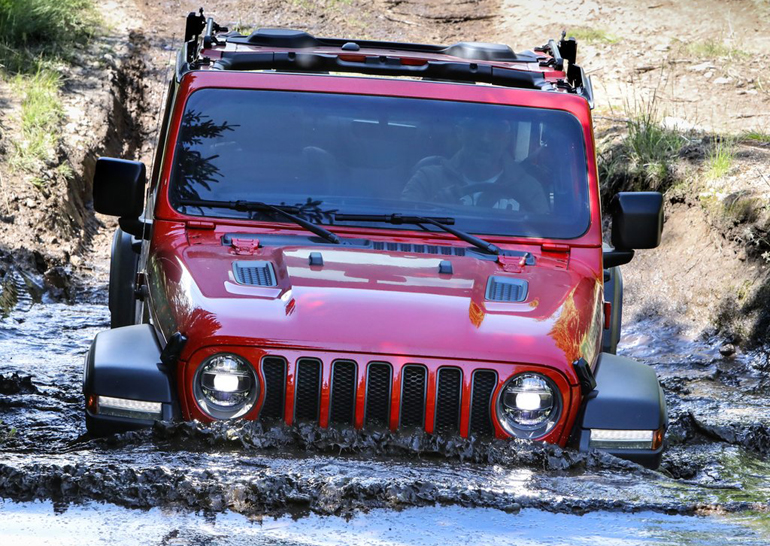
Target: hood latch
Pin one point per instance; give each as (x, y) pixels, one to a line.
(244, 247)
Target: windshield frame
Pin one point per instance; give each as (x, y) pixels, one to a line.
(352, 85)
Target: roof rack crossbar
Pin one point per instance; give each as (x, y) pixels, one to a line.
(382, 66)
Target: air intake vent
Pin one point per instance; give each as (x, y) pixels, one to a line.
(506, 289)
(448, 394)
(254, 273)
(308, 393)
(413, 383)
(274, 370)
(419, 249)
(343, 393)
(484, 382)
(378, 394)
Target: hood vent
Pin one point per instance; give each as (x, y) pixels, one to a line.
(254, 273)
(419, 249)
(506, 289)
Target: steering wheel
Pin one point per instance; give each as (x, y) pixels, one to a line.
(489, 194)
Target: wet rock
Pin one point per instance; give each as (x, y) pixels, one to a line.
(57, 277)
(17, 384)
(728, 349)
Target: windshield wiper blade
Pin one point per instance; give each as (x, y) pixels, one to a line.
(440, 223)
(249, 206)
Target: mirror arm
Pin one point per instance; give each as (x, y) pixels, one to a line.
(617, 256)
(138, 227)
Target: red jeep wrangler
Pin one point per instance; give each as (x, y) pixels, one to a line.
(371, 234)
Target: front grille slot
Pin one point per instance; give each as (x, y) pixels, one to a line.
(448, 398)
(274, 371)
(484, 382)
(342, 410)
(413, 383)
(308, 390)
(378, 394)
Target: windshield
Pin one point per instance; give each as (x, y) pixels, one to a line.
(495, 169)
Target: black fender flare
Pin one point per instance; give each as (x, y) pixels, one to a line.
(627, 396)
(126, 363)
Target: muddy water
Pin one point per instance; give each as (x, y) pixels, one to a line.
(192, 484)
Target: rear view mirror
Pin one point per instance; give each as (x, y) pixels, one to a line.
(637, 223)
(119, 187)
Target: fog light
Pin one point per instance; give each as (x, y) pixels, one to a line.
(529, 405)
(123, 407)
(621, 439)
(225, 386)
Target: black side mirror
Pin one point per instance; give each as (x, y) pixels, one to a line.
(637, 223)
(119, 191)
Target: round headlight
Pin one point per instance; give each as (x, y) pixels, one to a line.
(529, 405)
(225, 386)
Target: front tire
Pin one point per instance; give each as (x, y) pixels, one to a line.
(124, 263)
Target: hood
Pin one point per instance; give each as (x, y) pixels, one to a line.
(379, 302)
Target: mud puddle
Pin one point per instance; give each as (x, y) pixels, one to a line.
(200, 482)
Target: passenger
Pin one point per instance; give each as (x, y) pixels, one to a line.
(483, 160)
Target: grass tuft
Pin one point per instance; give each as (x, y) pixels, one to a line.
(41, 112)
(592, 35)
(714, 49)
(644, 158)
(720, 158)
(46, 22)
(35, 35)
(756, 136)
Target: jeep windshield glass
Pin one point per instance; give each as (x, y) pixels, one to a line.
(495, 169)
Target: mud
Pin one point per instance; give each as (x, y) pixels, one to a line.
(716, 462)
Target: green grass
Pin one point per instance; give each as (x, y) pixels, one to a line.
(46, 22)
(756, 136)
(644, 158)
(592, 35)
(714, 49)
(720, 158)
(35, 37)
(41, 113)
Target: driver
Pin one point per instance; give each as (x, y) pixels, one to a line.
(482, 162)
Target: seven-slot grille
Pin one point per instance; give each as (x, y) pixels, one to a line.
(377, 380)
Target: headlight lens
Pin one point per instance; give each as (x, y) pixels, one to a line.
(225, 386)
(529, 405)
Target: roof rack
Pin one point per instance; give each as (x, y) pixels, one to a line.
(201, 33)
(566, 50)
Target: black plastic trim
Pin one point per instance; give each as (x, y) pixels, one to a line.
(296, 39)
(628, 397)
(281, 396)
(367, 416)
(456, 426)
(125, 363)
(490, 407)
(424, 396)
(352, 420)
(317, 413)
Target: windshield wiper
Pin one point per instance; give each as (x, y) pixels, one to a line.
(440, 223)
(250, 206)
